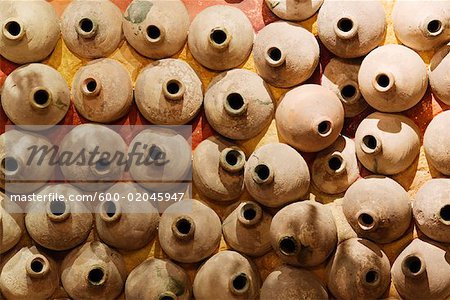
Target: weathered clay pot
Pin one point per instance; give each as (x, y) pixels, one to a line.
(102, 90)
(125, 224)
(156, 29)
(11, 223)
(358, 270)
(218, 169)
(189, 231)
(387, 143)
(351, 29)
(310, 117)
(30, 30)
(336, 168)
(35, 94)
(276, 174)
(220, 37)
(431, 209)
(227, 275)
(157, 279)
(303, 233)
(93, 271)
(238, 104)
(341, 77)
(422, 271)
(436, 142)
(439, 74)
(92, 29)
(390, 84)
(29, 274)
(168, 92)
(294, 10)
(279, 59)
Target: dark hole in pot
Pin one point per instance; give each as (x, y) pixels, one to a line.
(153, 32)
(240, 282)
(86, 25)
(324, 127)
(274, 53)
(91, 85)
(445, 213)
(110, 208)
(262, 171)
(13, 28)
(366, 219)
(173, 87)
(371, 276)
(41, 97)
(370, 142)
(335, 163)
(166, 297)
(288, 245)
(249, 214)
(233, 157)
(345, 24)
(434, 26)
(156, 153)
(183, 226)
(383, 80)
(57, 207)
(413, 264)
(37, 265)
(235, 101)
(102, 165)
(9, 164)
(348, 91)
(218, 36)
(96, 276)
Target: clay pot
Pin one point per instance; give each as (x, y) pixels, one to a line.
(220, 37)
(276, 174)
(294, 10)
(11, 223)
(358, 270)
(29, 274)
(387, 143)
(303, 233)
(436, 142)
(422, 271)
(310, 117)
(93, 271)
(92, 29)
(246, 229)
(351, 29)
(102, 90)
(431, 209)
(157, 279)
(336, 168)
(287, 282)
(59, 224)
(341, 77)
(218, 169)
(227, 275)
(439, 78)
(189, 231)
(390, 84)
(30, 30)
(168, 92)
(238, 104)
(279, 59)
(156, 29)
(35, 94)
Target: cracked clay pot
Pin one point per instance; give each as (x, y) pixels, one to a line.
(294, 10)
(440, 74)
(436, 142)
(11, 223)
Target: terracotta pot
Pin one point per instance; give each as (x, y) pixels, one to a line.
(189, 231)
(92, 29)
(156, 29)
(279, 60)
(351, 29)
(238, 104)
(303, 233)
(220, 37)
(42, 101)
(28, 37)
(387, 143)
(358, 270)
(11, 223)
(168, 92)
(93, 271)
(436, 142)
(310, 118)
(276, 174)
(294, 10)
(157, 279)
(439, 78)
(227, 275)
(390, 84)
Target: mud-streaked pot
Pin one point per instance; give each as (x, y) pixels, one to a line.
(440, 74)
(436, 142)
(11, 223)
(310, 118)
(168, 92)
(294, 10)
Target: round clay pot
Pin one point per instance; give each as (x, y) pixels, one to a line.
(221, 37)
(276, 174)
(358, 270)
(11, 223)
(227, 275)
(102, 90)
(436, 142)
(387, 143)
(189, 231)
(92, 29)
(168, 92)
(431, 209)
(335, 168)
(310, 118)
(158, 279)
(390, 84)
(351, 29)
(156, 28)
(304, 233)
(294, 10)
(279, 59)
(218, 169)
(30, 30)
(439, 74)
(93, 271)
(35, 94)
(238, 104)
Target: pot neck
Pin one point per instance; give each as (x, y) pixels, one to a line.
(13, 29)
(173, 89)
(250, 213)
(346, 27)
(183, 228)
(275, 56)
(232, 160)
(110, 211)
(219, 38)
(58, 210)
(413, 266)
(37, 266)
(87, 28)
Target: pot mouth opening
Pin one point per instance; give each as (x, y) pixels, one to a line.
(109, 211)
(102, 166)
(366, 221)
(336, 163)
(324, 128)
(240, 283)
(219, 36)
(96, 276)
(372, 277)
(183, 227)
(13, 30)
(275, 57)
(345, 28)
(235, 104)
(383, 82)
(370, 144)
(86, 26)
(37, 266)
(9, 166)
(232, 160)
(413, 266)
(345, 24)
(174, 89)
(167, 296)
(444, 214)
(288, 245)
(57, 208)
(262, 174)
(349, 93)
(41, 98)
(434, 27)
(90, 87)
(250, 213)
(154, 33)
